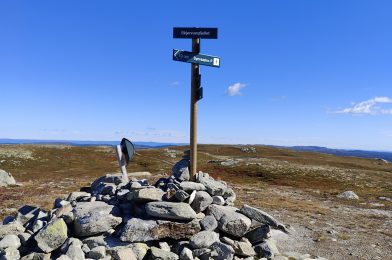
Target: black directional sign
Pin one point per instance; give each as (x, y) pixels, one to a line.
(193, 32)
(192, 57)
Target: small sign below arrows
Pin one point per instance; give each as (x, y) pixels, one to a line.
(191, 57)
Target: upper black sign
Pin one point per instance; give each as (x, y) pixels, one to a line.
(193, 32)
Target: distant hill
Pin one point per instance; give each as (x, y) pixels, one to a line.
(138, 145)
(145, 145)
(342, 152)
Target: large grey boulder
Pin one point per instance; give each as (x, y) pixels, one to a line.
(229, 220)
(138, 230)
(203, 239)
(235, 224)
(93, 218)
(146, 195)
(14, 228)
(6, 179)
(201, 201)
(52, 236)
(262, 217)
(10, 241)
(181, 171)
(170, 210)
(157, 253)
(214, 188)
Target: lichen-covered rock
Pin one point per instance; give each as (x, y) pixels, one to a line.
(170, 210)
(52, 236)
(93, 218)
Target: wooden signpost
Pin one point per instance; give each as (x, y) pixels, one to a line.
(196, 59)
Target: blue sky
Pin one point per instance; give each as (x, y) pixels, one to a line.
(292, 72)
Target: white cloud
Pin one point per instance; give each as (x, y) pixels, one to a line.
(235, 89)
(174, 83)
(368, 107)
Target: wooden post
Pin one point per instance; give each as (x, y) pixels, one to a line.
(122, 164)
(193, 126)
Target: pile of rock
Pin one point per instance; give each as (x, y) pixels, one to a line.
(174, 219)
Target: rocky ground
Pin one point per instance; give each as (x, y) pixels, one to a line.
(300, 189)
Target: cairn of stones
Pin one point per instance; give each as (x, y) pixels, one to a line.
(173, 219)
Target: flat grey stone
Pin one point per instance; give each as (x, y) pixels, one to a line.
(138, 230)
(190, 186)
(93, 218)
(170, 210)
(202, 201)
(262, 217)
(203, 239)
(146, 195)
(14, 228)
